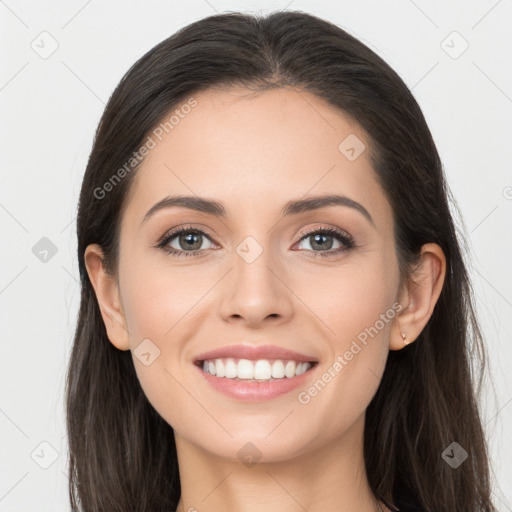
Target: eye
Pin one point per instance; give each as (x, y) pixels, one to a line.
(187, 241)
(324, 238)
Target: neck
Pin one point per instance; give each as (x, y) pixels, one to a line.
(332, 478)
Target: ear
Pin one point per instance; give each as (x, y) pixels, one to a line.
(107, 293)
(419, 296)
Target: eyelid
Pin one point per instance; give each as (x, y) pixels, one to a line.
(325, 228)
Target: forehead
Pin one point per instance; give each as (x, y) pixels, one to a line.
(255, 151)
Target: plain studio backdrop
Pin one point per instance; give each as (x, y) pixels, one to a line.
(60, 63)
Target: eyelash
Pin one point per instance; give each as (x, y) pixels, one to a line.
(342, 236)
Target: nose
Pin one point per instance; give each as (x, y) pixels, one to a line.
(255, 291)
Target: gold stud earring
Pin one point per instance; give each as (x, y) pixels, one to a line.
(404, 338)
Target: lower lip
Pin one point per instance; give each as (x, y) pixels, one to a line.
(255, 391)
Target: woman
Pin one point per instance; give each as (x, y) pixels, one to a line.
(275, 311)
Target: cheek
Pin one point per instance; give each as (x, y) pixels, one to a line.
(167, 306)
(350, 299)
(356, 312)
(156, 299)
(159, 306)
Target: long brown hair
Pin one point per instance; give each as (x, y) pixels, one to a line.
(122, 454)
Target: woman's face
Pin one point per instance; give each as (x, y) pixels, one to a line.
(257, 277)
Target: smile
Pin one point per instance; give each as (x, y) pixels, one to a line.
(264, 370)
(255, 380)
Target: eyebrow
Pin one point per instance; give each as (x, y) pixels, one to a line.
(293, 207)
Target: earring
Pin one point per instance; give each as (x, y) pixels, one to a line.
(403, 338)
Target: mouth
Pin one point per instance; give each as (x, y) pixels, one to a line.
(250, 371)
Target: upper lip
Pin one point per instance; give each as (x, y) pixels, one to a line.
(255, 353)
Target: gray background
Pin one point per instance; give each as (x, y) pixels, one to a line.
(51, 103)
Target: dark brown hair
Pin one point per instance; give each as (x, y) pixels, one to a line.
(122, 454)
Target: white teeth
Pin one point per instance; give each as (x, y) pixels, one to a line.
(277, 369)
(245, 369)
(231, 369)
(219, 368)
(289, 369)
(261, 369)
(301, 368)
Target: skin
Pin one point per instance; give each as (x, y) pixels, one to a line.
(253, 153)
